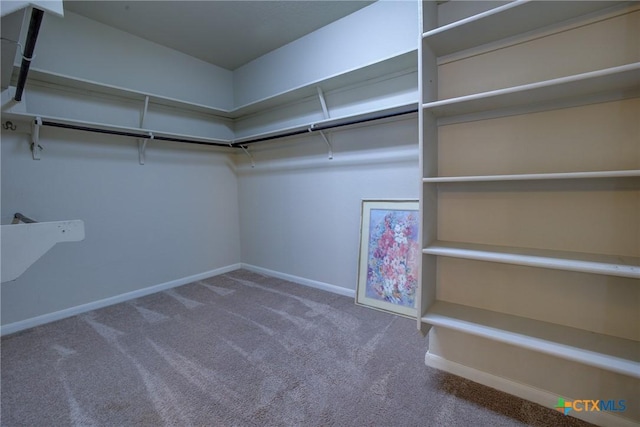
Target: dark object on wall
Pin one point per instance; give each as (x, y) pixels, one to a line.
(27, 55)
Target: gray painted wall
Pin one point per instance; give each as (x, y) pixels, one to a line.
(377, 32)
(86, 49)
(174, 217)
(300, 212)
(188, 210)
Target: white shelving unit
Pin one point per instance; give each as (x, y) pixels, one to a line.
(601, 351)
(622, 266)
(622, 78)
(502, 22)
(64, 81)
(320, 124)
(512, 29)
(397, 65)
(537, 176)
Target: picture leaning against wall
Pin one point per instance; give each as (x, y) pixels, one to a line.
(389, 256)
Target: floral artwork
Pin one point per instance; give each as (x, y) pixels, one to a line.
(390, 260)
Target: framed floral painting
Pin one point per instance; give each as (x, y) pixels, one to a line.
(389, 256)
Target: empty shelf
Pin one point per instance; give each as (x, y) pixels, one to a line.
(624, 77)
(558, 260)
(505, 21)
(601, 351)
(537, 176)
(107, 89)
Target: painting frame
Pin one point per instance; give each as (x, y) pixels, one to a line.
(389, 257)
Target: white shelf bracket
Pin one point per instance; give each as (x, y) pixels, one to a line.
(325, 110)
(36, 148)
(328, 144)
(23, 244)
(142, 143)
(144, 111)
(253, 163)
(142, 146)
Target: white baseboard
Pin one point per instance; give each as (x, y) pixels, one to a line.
(68, 312)
(302, 281)
(527, 392)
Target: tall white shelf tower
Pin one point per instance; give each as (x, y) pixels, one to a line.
(529, 121)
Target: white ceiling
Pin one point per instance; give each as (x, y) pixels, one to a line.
(225, 33)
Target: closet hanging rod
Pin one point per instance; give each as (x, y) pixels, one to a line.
(363, 120)
(239, 144)
(18, 217)
(272, 137)
(27, 55)
(131, 134)
(320, 126)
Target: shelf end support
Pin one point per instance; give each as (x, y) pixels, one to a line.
(328, 144)
(323, 102)
(142, 146)
(253, 163)
(36, 148)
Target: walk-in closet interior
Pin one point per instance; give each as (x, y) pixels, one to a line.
(154, 150)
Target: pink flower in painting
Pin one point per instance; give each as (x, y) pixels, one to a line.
(393, 256)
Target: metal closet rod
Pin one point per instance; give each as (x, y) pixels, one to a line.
(130, 134)
(311, 128)
(25, 219)
(27, 55)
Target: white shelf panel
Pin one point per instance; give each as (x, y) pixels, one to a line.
(337, 121)
(368, 115)
(506, 21)
(398, 63)
(288, 131)
(106, 126)
(624, 77)
(558, 260)
(537, 176)
(601, 351)
(91, 86)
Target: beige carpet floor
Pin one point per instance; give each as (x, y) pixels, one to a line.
(242, 349)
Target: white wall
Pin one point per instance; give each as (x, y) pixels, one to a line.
(181, 214)
(174, 217)
(300, 212)
(86, 49)
(382, 30)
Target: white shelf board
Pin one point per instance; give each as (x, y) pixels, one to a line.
(106, 126)
(401, 109)
(283, 131)
(601, 351)
(624, 77)
(506, 21)
(335, 121)
(559, 260)
(537, 176)
(103, 88)
(403, 61)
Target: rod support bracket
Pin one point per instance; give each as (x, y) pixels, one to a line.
(253, 163)
(35, 146)
(328, 144)
(323, 102)
(142, 146)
